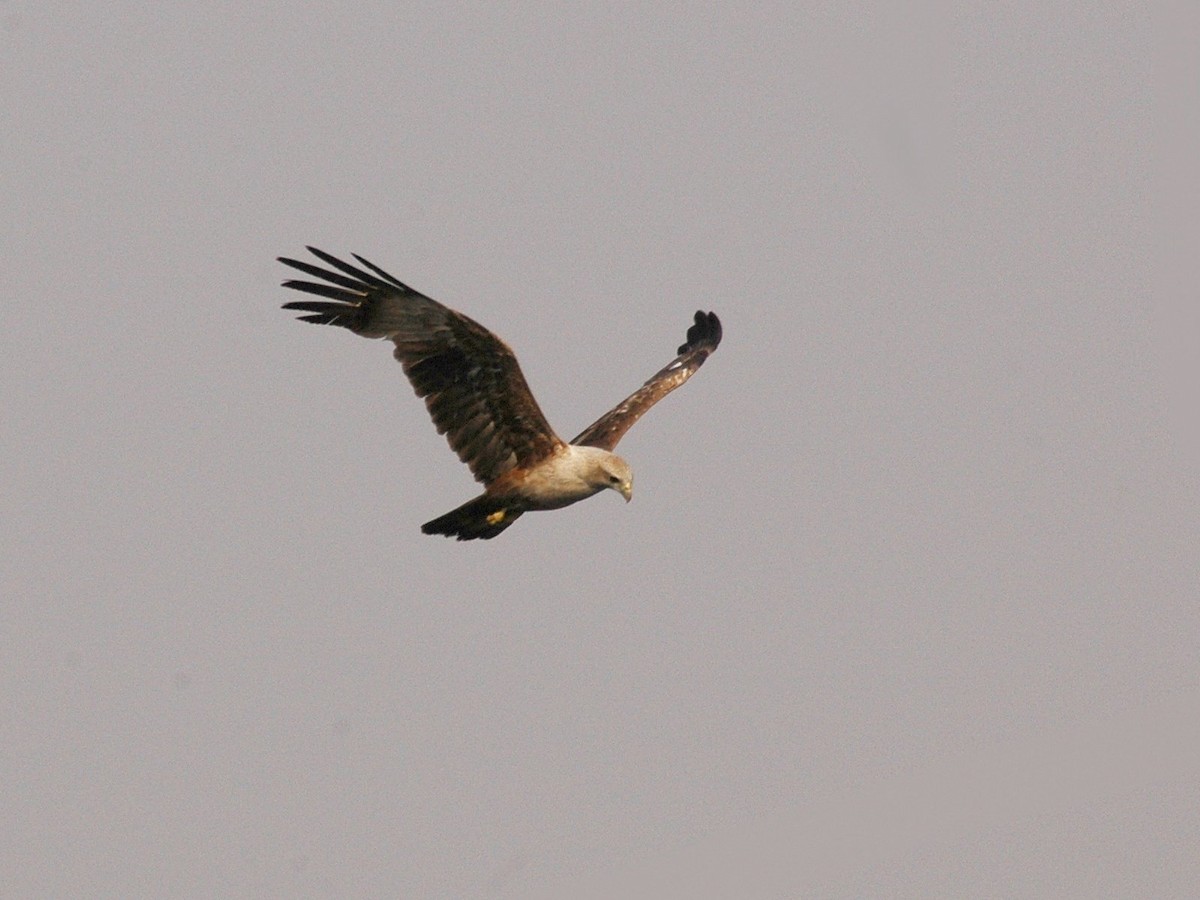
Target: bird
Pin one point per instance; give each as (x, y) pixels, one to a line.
(477, 397)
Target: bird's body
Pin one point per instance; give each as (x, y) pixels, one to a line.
(570, 474)
(478, 398)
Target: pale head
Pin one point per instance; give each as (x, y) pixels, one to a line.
(618, 476)
(606, 470)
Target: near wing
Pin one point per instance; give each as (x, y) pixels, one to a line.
(470, 379)
(702, 339)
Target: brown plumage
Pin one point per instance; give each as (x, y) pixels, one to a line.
(477, 396)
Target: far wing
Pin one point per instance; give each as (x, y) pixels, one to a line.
(702, 339)
(470, 379)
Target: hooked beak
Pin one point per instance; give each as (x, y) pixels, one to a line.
(626, 489)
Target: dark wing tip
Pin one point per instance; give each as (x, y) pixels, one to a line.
(322, 255)
(324, 313)
(347, 276)
(704, 334)
(347, 288)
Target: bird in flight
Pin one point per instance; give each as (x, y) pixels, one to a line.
(477, 396)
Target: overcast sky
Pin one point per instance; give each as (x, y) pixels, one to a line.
(906, 603)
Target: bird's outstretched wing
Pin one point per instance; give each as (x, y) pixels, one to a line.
(469, 378)
(702, 339)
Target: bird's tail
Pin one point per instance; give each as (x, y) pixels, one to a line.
(484, 517)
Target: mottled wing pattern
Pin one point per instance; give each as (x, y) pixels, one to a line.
(702, 339)
(469, 378)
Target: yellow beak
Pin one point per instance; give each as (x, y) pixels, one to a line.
(626, 489)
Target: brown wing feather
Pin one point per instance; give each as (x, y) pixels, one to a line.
(469, 378)
(702, 339)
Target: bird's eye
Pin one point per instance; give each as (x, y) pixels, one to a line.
(613, 479)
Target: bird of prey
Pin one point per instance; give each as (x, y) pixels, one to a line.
(477, 396)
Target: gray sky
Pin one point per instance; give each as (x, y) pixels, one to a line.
(906, 601)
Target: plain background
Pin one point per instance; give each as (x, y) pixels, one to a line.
(906, 603)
